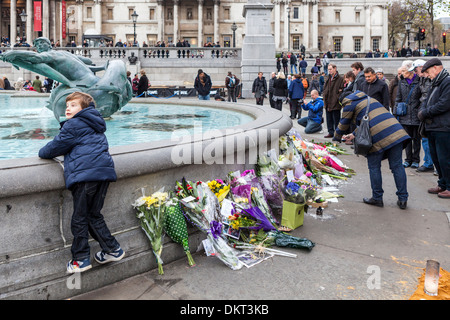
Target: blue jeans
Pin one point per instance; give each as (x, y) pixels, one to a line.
(440, 153)
(88, 200)
(294, 66)
(394, 156)
(205, 97)
(310, 125)
(427, 161)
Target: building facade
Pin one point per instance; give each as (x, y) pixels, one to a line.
(319, 25)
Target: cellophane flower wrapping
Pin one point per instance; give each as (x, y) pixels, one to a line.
(151, 213)
(204, 213)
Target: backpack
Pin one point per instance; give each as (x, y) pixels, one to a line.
(305, 83)
(232, 82)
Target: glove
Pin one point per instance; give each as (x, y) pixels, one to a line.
(421, 116)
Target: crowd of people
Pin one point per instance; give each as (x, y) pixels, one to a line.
(408, 113)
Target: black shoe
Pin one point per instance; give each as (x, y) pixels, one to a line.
(373, 202)
(401, 204)
(424, 169)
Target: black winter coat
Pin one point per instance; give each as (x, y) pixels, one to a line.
(143, 85)
(403, 91)
(203, 89)
(280, 88)
(436, 109)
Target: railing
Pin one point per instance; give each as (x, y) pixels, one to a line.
(175, 53)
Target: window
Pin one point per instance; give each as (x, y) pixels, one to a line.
(189, 15)
(130, 12)
(89, 12)
(319, 43)
(357, 17)
(295, 42)
(227, 41)
(152, 14)
(319, 16)
(337, 44)
(337, 16)
(109, 13)
(296, 13)
(151, 40)
(226, 15)
(375, 43)
(357, 44)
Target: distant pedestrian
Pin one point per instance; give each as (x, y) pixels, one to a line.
(203, 85)
(280, 92)
(259, 89)
(231, 83)
(142, 85)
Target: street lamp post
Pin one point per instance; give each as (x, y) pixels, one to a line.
(234, 28)
(134, 16)
(23, 17)
(408, 25)
(289, 27)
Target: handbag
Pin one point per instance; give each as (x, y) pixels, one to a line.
(402, 107)
(363, 138)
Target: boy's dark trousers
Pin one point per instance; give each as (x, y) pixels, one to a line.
(88, 199)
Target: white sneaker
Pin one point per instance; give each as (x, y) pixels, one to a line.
(103, 257)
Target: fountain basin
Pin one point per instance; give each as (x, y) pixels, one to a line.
(35, 207)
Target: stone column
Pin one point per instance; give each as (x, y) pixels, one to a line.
(160, 15)
(367, 29)
(306, 25)
(29, 27)
(216, 20)
(385, 38)
(98, 16)
(286, 24)
(176, 4)
(200, 23)
(277, 24)
(258, 48)
(13, 23)
(315, 26)
(45, 19)
(53, 20)
(80, 20)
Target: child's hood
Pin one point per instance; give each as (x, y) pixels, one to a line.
(92, 118)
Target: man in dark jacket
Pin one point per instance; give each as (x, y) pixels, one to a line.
(375, 88)
(435, 111)
(293, 61)
(331, 92)
(88, 170)
(203, 85)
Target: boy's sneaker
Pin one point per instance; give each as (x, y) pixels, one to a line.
(74, 266)
(104, 257)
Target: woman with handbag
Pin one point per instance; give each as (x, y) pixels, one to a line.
(406, 108)
(388, 140)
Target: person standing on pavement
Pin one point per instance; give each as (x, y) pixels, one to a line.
(271, 81)
(332, 89)
(358, 71)
(375, 88)
(435, 111)
(393, 88)
(230, 83)
(142, 85)
(409, 93)
(424, 85)
(303, 65)
(259, 88)
(293, 62)
(388, 138)
(296, 94)
(280, 90)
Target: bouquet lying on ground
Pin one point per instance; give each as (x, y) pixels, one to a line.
(202, 209)
(151, 213)
(176, 227)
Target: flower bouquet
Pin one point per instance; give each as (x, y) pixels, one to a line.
(176, 228)
(202, 209)
(219, 188)
(151, 213)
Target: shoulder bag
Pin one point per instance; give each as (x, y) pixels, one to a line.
(363, 139)
(402, 107)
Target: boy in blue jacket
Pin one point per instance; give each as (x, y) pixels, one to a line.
(88, 170)
(313, 122)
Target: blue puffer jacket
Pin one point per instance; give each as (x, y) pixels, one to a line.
(296, 89)
(315, 108)
(85, 148)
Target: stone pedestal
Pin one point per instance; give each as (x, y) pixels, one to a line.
(258, 48)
